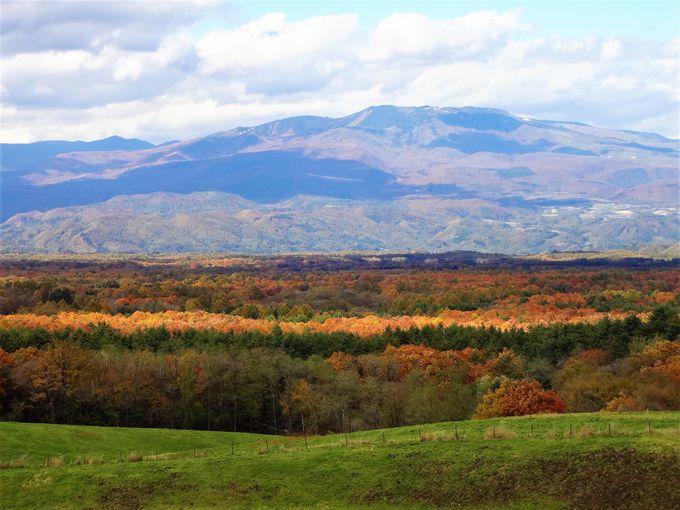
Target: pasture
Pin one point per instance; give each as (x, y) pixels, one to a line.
(596, 460)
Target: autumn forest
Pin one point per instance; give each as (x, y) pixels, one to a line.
(333, 344)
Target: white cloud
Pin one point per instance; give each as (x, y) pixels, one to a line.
(63, 25)
(415, 36)
(129, 68)
(181, 85)
(272, 41)
(611, 49)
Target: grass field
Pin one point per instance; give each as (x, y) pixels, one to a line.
(624, 460)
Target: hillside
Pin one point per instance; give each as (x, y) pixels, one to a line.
(386, 178)
(219, 222)
(565, 461)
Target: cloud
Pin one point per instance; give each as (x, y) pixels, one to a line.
(64, 25)
(273, 40)
(83, 79)
(137, 70)
(275, 56)
(415, 36)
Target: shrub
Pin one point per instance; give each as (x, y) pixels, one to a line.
(433, 436)
(518, 398)
(19, 462)
(89, 459)
(586, 431)
(623, 402)
(499, 432)
(54, 461)
(135, 457)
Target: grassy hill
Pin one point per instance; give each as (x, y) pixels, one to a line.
(40, 441)
(626, 460)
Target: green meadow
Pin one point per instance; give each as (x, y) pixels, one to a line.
(599, 460)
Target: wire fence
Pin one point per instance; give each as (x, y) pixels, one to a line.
(367, 439)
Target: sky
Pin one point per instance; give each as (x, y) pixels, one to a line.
(167, 70)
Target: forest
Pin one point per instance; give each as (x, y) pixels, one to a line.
(319, 350)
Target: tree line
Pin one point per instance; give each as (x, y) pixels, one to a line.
(299, 296)
(552, 343)
(317, 383)
(264, 390)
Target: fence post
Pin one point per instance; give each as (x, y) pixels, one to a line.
(571, 432)
(266, 442)
(532, 430)
(344, 429)
(494, 431)
(383, 436)
(610, 429)
(649, 426)
(304, 430)
(456, 432)
(232, 448)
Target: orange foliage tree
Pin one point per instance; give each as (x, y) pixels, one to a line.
(396, 363)
(662, 356)
(623, 402)
(519, 398)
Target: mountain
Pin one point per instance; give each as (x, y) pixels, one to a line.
(18, 156)
(383, 178)
(216, 222)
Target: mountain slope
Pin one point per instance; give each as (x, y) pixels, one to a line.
(17, 156)
(219, 222)
(618, 189)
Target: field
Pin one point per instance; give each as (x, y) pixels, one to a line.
(349, 381)
(590, 460)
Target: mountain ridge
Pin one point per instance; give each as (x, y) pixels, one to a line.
(485, 164)
(16, 156)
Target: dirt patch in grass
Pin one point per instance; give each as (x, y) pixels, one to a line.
(84, 434)
(135, 496)
(126, 498)
(237, 489)
(624, 479)
(245, 491)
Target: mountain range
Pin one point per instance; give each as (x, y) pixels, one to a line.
(385, 178)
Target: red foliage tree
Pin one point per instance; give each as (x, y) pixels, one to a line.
(519, 398)
(6, 361)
